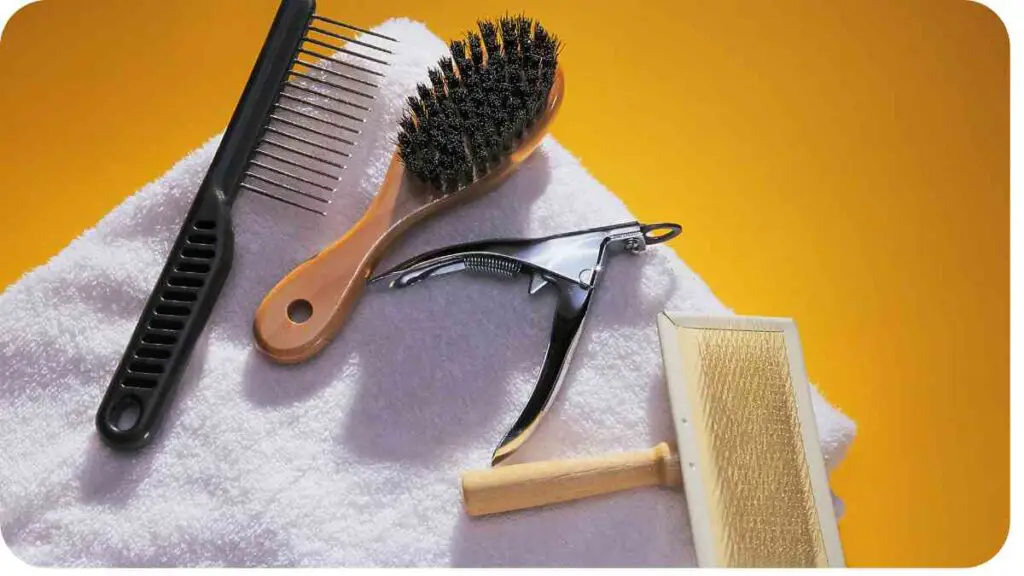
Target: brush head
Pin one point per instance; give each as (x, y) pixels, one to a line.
(480, 103)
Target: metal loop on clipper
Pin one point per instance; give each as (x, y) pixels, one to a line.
(658, 233)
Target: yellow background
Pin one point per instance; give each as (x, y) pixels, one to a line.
(843, 163)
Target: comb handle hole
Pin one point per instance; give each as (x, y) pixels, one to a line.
(125, 414)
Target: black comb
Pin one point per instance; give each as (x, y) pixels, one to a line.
(287, 141)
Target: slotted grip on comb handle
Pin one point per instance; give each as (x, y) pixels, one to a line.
(198, 265)
(171, 322)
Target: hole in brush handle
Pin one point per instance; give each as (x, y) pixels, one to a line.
(308, 306)
(299, 311)
(305, 310)
(171, 322)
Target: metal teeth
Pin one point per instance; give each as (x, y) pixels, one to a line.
(299, 152)
(333, 85)
(349, 40)
(273, 196)
(270, 168)
(287, 187)
(285, 160)
(308, 142)
(285, 95)
(325, 96)
(338, 62)
(298, 112)
(349, 103)
(353, 28)
(338, 74)
(313, 130)
(343, 50)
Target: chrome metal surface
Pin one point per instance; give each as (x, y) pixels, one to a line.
(573, 263)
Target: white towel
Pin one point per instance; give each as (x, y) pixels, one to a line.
(353, 458)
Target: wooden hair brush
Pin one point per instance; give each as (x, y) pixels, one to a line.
(486, 110)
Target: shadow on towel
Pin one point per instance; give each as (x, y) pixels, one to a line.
(459, 387)
(524, 538)
(110, 477)
(559, 433)
(465, 391)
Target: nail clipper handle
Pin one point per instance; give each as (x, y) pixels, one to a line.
(570, 313)
(166, 333)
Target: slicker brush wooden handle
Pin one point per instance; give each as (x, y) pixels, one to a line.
(522, 486)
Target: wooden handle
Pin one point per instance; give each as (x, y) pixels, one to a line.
(522, 486)
(300, 315)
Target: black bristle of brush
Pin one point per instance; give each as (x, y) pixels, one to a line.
(480, 102)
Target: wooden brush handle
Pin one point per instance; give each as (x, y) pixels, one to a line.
(329, 284)
(300, 315)
(520, 486)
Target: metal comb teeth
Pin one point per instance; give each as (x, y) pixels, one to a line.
(317, 115)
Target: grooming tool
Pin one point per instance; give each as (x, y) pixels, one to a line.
(750, 461)
(482, 116)
(290, 131)
(571, 262)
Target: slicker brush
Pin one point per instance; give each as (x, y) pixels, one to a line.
(486, 109)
